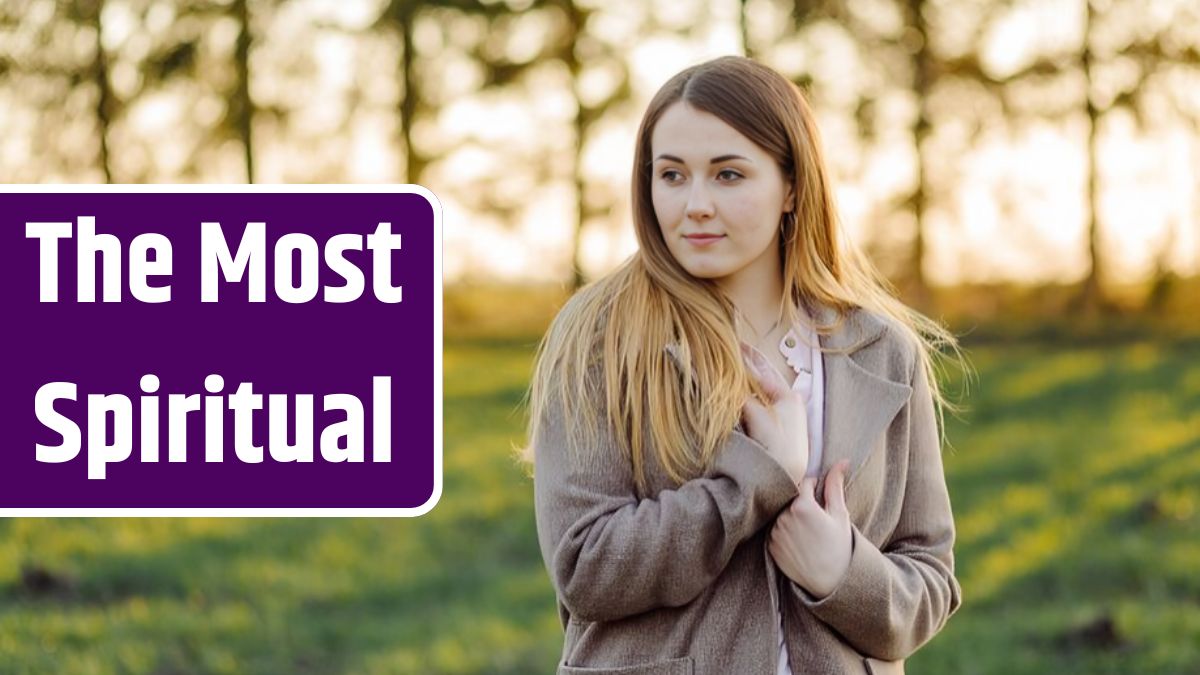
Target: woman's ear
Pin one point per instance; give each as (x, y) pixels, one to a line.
(789, 199)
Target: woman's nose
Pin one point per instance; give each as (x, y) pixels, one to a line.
(699, 204)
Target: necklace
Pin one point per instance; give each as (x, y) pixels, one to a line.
(759, 337)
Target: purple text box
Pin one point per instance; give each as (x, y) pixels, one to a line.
(316, 347)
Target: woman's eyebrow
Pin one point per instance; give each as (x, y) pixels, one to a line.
(714, 160)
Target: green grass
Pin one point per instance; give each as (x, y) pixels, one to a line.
(1075, 482)
(1076, 489)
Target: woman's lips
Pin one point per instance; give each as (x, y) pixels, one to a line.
(703, 239)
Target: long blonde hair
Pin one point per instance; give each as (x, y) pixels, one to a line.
(605, 349)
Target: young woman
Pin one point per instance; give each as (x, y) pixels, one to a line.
(737, 464)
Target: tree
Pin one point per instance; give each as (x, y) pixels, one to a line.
(189, 61)
(899, 51)
(62, 91)
(579, 50)
(242, 114)
(563, 53)
(90, 12)
(1116, 35)
(401, 17)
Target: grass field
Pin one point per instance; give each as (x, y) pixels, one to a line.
(1075, 483)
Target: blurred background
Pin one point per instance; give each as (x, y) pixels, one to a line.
(1027, 171)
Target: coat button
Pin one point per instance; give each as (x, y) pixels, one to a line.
(790, 342)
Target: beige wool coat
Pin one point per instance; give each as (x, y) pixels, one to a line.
(679, 581)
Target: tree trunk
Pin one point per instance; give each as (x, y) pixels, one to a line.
(922, 82)
(104, 102)
(576, 20)
(747, 49)
(245, 106)
(1092, 296)
(1162, 285)
(414, 163)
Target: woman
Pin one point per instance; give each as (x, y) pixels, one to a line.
(736, 458)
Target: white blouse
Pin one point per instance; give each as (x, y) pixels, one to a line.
(806, 360)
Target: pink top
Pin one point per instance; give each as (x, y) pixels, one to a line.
(804, 356)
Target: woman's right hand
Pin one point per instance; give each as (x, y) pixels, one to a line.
(781, 426)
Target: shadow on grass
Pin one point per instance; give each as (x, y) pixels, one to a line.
(1075, 497)
(1052, 409)
(1049, 486)
(314, 617)
(462, 589)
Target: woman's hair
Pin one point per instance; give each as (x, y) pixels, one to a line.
(604, 354)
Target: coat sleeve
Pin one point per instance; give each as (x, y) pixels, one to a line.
(892, 601)
(610, 554)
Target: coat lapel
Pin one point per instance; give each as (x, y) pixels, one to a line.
(860, 401)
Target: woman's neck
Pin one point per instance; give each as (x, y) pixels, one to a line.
(757, 292)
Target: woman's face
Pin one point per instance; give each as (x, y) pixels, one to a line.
(718, 196)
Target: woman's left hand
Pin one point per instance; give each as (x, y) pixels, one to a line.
(811, 543)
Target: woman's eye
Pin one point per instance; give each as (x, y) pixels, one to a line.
(671, 175)
(728, 175)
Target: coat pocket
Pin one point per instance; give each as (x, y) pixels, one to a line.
(680, 666)
(877, 667)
